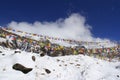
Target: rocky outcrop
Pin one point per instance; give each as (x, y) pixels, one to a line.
(21, 68)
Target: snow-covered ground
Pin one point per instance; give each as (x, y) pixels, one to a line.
(73, 67)
(2, 40)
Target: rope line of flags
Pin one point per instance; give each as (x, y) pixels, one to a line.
(53, 38)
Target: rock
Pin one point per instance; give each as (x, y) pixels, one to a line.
(17, 51)
(71, 63)
(3, 54)
(117, 75)
(97, 63)
(21, 68)
(47, 71)
(60, 65)
(42, 54)
(42, 73)
(58, 60)
(76, 60)
(4, 69)
(33, 58)
(77, 65)
(0, 51)
(117, 67)
(65, 64)
(63, 61)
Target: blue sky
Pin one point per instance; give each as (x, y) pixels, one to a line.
(102, 15)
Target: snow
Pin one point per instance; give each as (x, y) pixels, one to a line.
(72, 67)
(2, 40)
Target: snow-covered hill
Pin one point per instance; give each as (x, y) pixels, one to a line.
(73, 67)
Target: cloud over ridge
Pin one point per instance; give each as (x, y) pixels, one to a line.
(72, 27)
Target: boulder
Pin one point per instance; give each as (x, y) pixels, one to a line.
(3, 54)
(118, 76)
(0, 51)
(47, 71)
(117, 67)
(21, 68)
(42, 54)
(33, 58)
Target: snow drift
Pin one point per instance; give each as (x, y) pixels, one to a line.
(71, 67)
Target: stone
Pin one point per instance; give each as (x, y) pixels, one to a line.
(33, 58)
(47, 71)
(21, 68)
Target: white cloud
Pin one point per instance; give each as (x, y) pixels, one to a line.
(73, 27)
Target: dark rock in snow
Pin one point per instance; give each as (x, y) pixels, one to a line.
(42, 54)
(3, 54)
(42, 73)
(60, 65)
(76, 60)
(0, 51)
(21, 68)
(63, 61)
(33, 58)
(77, 65)
(17, 52)
(58, 60)
(65, 64)
(71, 63)
(118, 76)
(4, 69)
(117, 67)
(47, 71)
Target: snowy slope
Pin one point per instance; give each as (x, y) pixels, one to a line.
(65, 43)
(71, 67)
